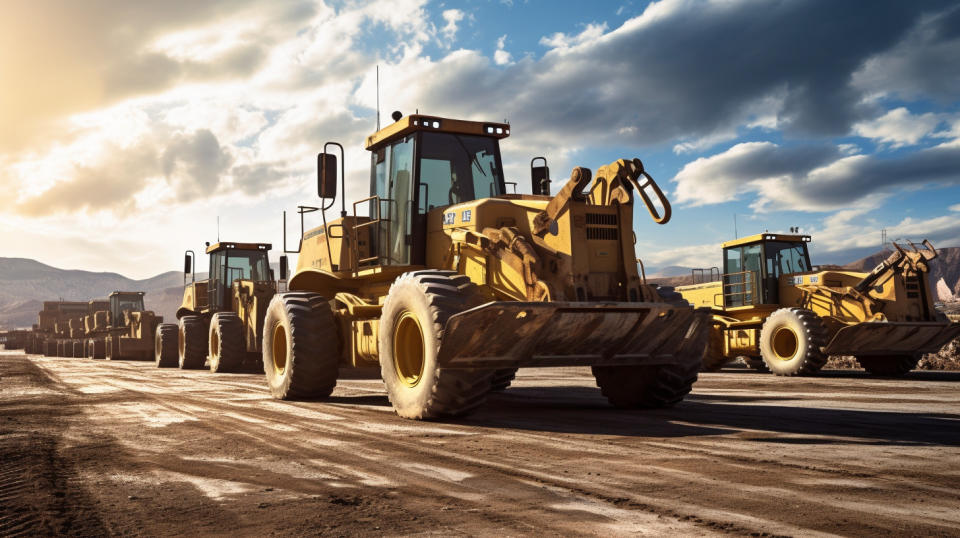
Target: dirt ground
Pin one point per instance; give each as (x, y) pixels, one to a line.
(122, 448)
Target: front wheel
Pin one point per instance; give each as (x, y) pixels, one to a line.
(415, 313)
(791, 342)
(301, 347)
(191, 343)
(165, 346)
(226, 342)
(889, 365)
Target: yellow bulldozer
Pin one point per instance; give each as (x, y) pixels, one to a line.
(449, 284)
(771, 306)
(220, 318)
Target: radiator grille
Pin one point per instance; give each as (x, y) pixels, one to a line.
(608, 234)
(602, 219)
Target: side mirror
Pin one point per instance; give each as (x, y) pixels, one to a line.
(327, 175)
(540, 177)
(187, 265)
(283, 267)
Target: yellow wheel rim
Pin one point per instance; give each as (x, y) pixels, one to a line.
(408, 349)
(785, 343)
(279, 349)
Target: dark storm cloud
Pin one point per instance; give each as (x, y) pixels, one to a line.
(811, 178)
(696, 69)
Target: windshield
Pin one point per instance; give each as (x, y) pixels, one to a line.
(457, 168)
(246, 265)
(120, 303)
(786, 258)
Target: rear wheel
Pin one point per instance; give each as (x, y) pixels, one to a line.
(226, 342)
(415, 313)
(191, 343)
(301, 346)
(889, 365)
(791, 342)
(714, 359)
(165, 345)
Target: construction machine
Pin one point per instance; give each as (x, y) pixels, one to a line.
(449, 284)
(773, 307)
(220, 318)
(122, 328)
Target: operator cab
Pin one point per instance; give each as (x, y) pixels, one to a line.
(121, 301)
(752, 267)
(419, 164)
(230, 262)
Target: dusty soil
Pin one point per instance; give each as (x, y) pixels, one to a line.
(122, 448)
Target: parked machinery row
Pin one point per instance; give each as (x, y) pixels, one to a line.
(117, 328)
(448, 284)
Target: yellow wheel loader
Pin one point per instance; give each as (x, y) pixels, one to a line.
(772, 307)
(220, 318)
(124, 330)
(448, 284)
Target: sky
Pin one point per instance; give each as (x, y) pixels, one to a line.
(127, 128)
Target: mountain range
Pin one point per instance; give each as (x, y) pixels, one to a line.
(26, 283)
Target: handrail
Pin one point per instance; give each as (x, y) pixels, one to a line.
(748, 278)
(703, 279)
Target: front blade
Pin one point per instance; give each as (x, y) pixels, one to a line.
(523, 334)
(892, 338)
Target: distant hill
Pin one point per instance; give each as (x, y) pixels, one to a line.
(25, 284)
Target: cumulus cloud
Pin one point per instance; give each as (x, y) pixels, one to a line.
(452, 17)
(501, 56)
(899, 127)
(194, 163)
(810, 178)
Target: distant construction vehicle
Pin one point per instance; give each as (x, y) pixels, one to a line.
(451, 284)
(129, 329)
(773, 307)
(220, 318)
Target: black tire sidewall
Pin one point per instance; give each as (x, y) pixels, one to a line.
(408, 401)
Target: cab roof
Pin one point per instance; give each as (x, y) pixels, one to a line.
(419, 122)
(127, 293)
(757, 238)
(238, 246)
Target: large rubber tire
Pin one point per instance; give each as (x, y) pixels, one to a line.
(714, 359)
(191, 343)
(227, 349)
(50, 348)
(80, 349)
(301, 346)
(502, 378)
(165, 353)
(792, 341)
(889, 365)
(414, 315)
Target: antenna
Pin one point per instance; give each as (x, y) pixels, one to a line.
(378, 97)
(735, 236)
(883, 238)
(218, 228)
